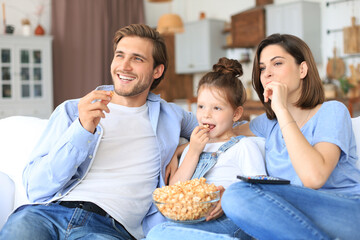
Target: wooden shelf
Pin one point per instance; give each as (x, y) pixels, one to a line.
(252, 107)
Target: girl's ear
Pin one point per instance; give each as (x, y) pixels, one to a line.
(158, 71)
(303, 70)
(238, 113)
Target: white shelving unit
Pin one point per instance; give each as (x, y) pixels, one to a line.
(200, 46)
(302, 19)
(26, 76)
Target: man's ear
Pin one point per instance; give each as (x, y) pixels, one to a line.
(238, 113)
(303, 69)
(158, 71)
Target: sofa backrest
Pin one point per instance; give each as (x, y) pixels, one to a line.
(356, 129)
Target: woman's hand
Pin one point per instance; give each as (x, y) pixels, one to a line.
(217, 211)
(277, 92)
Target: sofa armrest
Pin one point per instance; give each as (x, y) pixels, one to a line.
(19, 134)
(7, 196)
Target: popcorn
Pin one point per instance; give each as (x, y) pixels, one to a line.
(188, 200)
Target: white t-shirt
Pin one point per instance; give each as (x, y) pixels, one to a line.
(244, 158)
(125, 170)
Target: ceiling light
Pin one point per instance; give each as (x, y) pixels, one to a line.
(170, 24)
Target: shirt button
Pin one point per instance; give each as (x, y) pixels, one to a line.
(90, 156)
(98, 132)
(89, 141)
(59, 194)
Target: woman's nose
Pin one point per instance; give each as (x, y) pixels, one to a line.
(268, 72)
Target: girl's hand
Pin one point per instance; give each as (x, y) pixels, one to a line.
(277, 92)
(198, 139)
(217, 211)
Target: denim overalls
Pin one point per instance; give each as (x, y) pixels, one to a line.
(208, 159)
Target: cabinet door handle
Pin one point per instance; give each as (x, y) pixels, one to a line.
(191, 65)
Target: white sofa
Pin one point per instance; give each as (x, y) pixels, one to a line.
(19, 135)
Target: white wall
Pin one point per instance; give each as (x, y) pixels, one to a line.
(336, 16)
(16, 10)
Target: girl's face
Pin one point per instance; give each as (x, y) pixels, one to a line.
(214, 110)
(278, 65)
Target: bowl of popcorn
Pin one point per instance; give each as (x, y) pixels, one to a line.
(187, 202)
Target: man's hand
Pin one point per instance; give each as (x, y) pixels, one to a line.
(91, 108)
(174, 163)
(217, 211)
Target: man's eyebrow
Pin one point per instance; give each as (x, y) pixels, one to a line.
(134, 54)
(139, 55)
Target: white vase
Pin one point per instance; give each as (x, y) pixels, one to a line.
(26, 29)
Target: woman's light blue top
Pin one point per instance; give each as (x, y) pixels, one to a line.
(332, 123)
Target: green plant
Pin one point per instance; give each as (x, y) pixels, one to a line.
(345, 85)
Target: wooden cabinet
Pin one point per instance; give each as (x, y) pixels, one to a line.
(252, 109)
(248, 28)
(26, 76)
(200, 46)
(302, 19)
(174, 86)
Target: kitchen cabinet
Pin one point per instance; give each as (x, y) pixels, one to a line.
(302, 19)
(200, 46)
(26, 76)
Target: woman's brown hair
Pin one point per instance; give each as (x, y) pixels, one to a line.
(312, 92)
(159, 51)
(225, 77)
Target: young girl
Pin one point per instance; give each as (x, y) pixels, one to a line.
(308, 141)
(220, 99)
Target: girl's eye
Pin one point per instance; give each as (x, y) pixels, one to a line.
(217, 108)
(278, 63)
(200, 106)
(262, 69)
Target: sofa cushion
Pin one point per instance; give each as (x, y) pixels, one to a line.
(18, 136)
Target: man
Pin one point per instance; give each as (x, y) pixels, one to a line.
(100, 157)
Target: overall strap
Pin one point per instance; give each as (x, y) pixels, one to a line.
(228, 144)
(205, 163)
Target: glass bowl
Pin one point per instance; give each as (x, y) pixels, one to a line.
(186, 209)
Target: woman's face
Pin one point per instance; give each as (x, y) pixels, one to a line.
(278, 65)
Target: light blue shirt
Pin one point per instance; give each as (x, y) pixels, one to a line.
(65, 152)
(332, 123)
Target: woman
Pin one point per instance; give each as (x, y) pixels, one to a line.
(308, 141)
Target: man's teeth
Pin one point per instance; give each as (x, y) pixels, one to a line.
(126, 78)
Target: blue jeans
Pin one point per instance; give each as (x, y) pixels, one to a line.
(268, 211)
(221, 228)
(53, 221)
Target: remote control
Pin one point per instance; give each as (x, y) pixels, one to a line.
(264, 179)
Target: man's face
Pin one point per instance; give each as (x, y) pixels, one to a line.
(132, 68)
